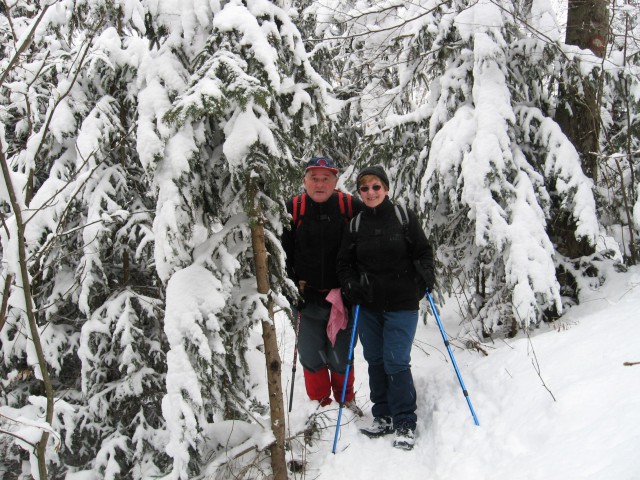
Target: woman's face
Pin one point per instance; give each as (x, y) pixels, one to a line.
(372, 191)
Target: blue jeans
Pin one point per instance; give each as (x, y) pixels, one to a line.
(386, 339)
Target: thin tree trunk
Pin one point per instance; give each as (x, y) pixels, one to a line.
(5, 300)
(272, 356)
(41, 447)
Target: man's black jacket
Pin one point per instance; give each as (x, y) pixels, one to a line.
(312, 246)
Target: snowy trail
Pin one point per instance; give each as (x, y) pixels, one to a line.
(591, 430)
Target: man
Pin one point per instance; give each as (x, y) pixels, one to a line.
(320, 216)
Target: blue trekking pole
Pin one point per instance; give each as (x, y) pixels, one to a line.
(453, 360)
(346, 375)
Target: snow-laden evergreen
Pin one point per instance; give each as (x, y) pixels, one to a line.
(620, 167)
(151, 141)
(89, 239)
(251, 106)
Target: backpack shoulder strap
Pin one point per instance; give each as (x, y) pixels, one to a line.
(354, 225)
(346, 205)
(299, 207)
(403, 216)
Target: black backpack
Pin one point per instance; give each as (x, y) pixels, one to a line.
(401, 214)
(300, 207)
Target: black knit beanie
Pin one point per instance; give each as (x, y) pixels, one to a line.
(376, 170)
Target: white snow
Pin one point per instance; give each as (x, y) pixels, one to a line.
(577, 418)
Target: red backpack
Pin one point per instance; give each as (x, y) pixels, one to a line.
(300, 206)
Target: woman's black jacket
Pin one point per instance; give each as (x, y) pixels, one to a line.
(385, 252)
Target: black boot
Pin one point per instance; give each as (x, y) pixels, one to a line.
(380, 427)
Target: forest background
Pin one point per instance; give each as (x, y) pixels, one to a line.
(147, 149)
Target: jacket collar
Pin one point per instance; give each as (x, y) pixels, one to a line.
(385, 206)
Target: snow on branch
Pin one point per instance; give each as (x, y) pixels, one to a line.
(560, 163)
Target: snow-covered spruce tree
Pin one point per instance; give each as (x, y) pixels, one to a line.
(332, 41)
(89, 240)
(463, 99)
(619, 167)
(357, 47)
(252, 103)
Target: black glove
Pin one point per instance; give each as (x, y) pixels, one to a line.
(427, 274)
(356, 293)
(301, 304)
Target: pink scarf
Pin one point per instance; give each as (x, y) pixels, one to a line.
(339, 317)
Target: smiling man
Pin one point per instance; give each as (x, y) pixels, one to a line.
(319, 217)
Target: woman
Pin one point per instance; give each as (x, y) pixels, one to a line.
(384, 264)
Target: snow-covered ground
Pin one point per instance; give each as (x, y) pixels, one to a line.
(561, 404)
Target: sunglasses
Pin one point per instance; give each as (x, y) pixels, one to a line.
(375, 188)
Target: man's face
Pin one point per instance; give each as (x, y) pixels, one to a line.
(320, 184)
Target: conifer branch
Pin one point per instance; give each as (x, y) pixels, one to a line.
(25, 43)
